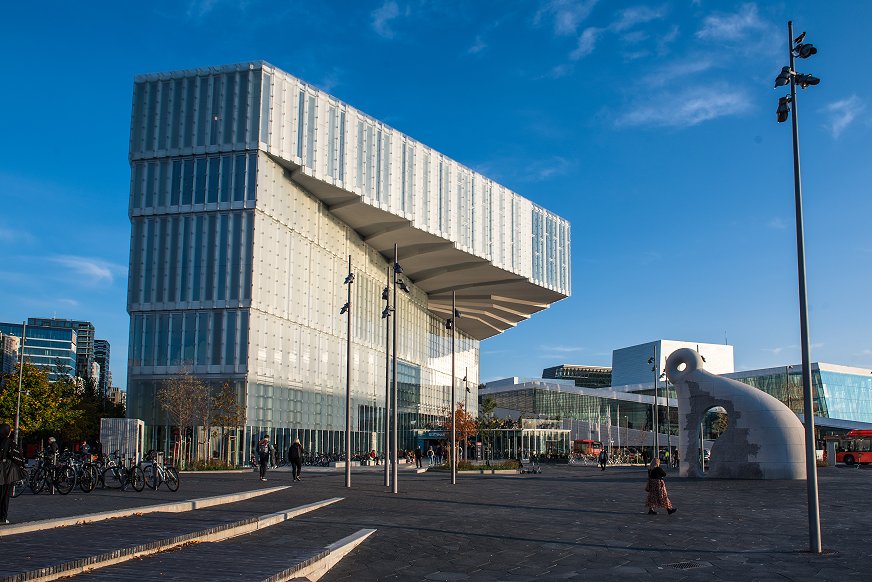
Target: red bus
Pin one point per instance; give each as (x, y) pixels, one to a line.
(586, 447)
(854, 447)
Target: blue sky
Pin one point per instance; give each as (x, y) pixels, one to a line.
(649, 125)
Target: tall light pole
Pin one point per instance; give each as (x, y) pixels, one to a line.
(450, 325)
(797, 48)
(398, 282)
(656, 421)
(349, 279)
(386, 315)
(20, 379)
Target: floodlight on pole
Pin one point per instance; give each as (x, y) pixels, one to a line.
(783, 111)
(349, 279)
(798, 49)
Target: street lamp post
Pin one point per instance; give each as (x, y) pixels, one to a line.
(656, 421)
(786, 105)
(349, 279)
(398, 282)
(20, 379)
(386, 315)
(450, 325)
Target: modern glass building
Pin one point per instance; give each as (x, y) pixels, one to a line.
(102, 352)
(249, 191)
(49, 347)
(838, 392)
(84, 341)
(583, 376)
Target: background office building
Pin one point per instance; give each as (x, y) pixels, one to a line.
(102, 351)
(83, 367)
(48, 347)
(623, 414)
(8, 352)
(249, 190)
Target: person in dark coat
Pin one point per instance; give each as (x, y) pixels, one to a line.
(264, 453)
(295, 456)
(603, 459)
(6, 442)
(418, 455)
(656, 488)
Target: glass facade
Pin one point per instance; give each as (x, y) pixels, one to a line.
(236, 270)
(51, 348)
(844, 394)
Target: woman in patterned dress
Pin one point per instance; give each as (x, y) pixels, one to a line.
(656, 488)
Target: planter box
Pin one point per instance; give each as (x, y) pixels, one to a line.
(489, 472)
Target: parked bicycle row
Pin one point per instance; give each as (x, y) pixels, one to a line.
(53, 472)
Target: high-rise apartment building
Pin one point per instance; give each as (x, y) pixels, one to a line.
(249, 191)
(84, 341)
(8, 352)
(101, 357)
(49, 347)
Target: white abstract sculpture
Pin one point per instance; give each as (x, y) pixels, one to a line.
(764, 439)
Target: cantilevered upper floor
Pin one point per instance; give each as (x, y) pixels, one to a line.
(505, 257)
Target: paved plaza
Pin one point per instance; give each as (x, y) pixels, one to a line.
(568, 523)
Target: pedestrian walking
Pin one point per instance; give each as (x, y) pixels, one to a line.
(264, 452)
(10, 470)
(431, 456)
(295, 456)
(418, 455)
(603, 459)
(656, 488)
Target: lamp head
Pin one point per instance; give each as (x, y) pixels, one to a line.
(349, 279)
(344, 309)
(783, 111)
(397, 268)
(385, 294)
(449, 324)
(403, 286)
(783, 77)
(803, 51)
(457, 313)
(807, 80)
(386, 312)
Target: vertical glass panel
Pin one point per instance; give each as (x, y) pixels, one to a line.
(300, 110)
(196, 281)
(190, 93)
(186, 255)
(136, 340)
(208, 291)
(229, 93)
(173, 271)
(161, 240)
(217, 335)
(242, 109)
(190, 339)
(221, 283)
(162, 183)
(150, 179)
(135, 290)
(239, 179)
(151, 120)
(266, 104)
(215, 113)
(342, 145)
(164, 112)
(203, 110)
(176, 127)
(202, 338)
(310, 133)
(235, 250)
(137, 189)
(176, 183)
(230, 339)
(148, 340)
(200, 184)
(243, 338)
(187, 181)
(249, 249)
(175, 339)
(139, 96)
(226, 178)
(149, 260)
(252, 177)
(212, 191)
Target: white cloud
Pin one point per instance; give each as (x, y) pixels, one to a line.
(721, 27)
(686, 109)
(90, 269)
(586, 43)
(13, 235)
(630, 17)
(563, 349)
(478, 46)
(842, 113)
(676, 70)
(382, 18)
(777, 224)
(567, 14)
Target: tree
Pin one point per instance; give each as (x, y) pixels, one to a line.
(488, 406)
(227, 412)
(183, 398)
(47, 408)
(464, 425)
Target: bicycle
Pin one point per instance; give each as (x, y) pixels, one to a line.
(118, 476)
(56, 477)
(155, 473)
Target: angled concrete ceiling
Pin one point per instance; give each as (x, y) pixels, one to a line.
(491, 300)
